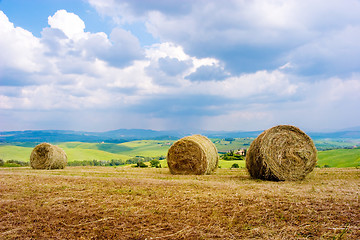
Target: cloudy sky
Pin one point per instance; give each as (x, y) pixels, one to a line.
(99, 65)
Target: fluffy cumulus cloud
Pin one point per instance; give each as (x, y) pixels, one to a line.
(65, 68)
(233, 65)
(253, 35)
(207, 73)
(69, 23)
(20, 50)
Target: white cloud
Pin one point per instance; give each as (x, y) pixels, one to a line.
(335, 53)
(67, 72)
(249, 36)
(262, 86)
(124, 49)
(70, 71)
(70, 23)
(19, 49)
(240, 120)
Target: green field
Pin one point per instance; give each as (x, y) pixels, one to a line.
(339, 158)
(223, 146)
(10, 152)
(79, 151)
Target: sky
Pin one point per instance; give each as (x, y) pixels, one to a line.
(232, 65)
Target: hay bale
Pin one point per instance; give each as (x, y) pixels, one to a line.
(194, 154)
(281, 153)
(48, 156)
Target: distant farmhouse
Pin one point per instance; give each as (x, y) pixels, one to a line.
(241, 152)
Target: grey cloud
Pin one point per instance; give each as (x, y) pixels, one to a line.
(15, 77)
(140, 8)
(208, 73)
(50, 37)
(180, 106)
(166, 70)
(120, 50)
(10, 91)
(337, 53)
(168, 6)
(160, 77)
(173, 66)
(124, 50)
(247, 36)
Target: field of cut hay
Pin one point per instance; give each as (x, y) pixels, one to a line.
(131, 203)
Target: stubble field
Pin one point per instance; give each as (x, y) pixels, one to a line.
(131, 203)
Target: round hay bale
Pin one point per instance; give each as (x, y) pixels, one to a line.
(281, 153)
(48, 156)
(194, 154)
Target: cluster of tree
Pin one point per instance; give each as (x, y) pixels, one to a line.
(13, 163)
(140, 164)
(231, 156)
(235, 165)
(229, 139)
(112, 162)
(153, 163)
(139, 161)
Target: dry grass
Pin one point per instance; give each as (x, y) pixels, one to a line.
(127, 203)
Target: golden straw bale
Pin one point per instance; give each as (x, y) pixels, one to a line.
(194, 154)
(281, 153)
(48, 156)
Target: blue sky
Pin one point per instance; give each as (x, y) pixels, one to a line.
(99, 65)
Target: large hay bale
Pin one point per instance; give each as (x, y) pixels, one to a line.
(281, 153)
(194, 154)
(48, 156)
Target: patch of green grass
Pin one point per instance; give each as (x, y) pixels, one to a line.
(339, 158)
(238, 143)
(147, 148)
(77, 145)
(10, 152)
(112, 148)
(79, 154)
(74, 151)
(322, 145)
(228, 164)
(107, 147)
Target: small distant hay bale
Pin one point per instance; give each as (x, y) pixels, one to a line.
(48, 156)
(281, 153)
(194, 154)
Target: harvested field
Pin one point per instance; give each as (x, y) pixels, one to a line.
(128, 203)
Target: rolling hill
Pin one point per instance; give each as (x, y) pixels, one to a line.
(79, 151)
(126, 135)
(339, 158)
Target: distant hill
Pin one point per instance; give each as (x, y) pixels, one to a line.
(336, 135)
(116, 136)
(125, 135)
